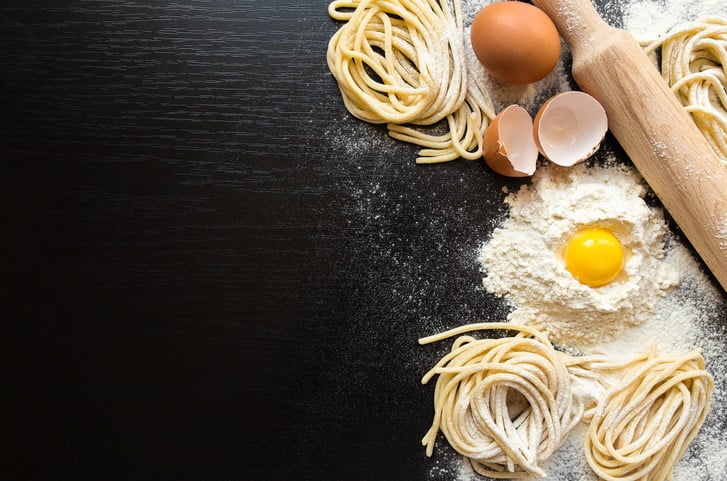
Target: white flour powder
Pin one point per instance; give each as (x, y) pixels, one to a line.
(647, 20)
(522, 261)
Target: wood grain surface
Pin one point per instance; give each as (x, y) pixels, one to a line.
(211, 271)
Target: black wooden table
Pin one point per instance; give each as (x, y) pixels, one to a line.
(211, 270)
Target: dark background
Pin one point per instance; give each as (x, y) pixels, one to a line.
(211, 271)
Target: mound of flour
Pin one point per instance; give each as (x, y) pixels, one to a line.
(522, 260)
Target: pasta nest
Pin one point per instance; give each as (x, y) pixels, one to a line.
(505, 403)
(508, 403)
(693, 61)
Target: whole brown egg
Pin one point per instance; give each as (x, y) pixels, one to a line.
(516, 42)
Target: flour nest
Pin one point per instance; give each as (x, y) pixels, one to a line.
(523, 262)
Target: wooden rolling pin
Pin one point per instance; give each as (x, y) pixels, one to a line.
(651, 125)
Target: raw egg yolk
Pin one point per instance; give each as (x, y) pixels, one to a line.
(594, 256)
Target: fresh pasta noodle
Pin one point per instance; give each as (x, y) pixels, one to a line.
(402, 63)
(506, 404)
(694, 63)
(645, 422)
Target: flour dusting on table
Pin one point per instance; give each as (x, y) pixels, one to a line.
(647, 20)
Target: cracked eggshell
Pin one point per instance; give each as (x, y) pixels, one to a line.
(570, 127)
(508, 146)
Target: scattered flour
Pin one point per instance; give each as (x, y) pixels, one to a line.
(678, 323)
(647, 20)
(522, 260)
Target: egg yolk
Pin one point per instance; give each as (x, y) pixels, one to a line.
(594, 256)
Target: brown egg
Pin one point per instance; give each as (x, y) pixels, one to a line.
(516, 42)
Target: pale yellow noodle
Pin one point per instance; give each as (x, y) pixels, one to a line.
(694, 63)
(402, 63)
(646, 421)
(478, 383)
(508, 403)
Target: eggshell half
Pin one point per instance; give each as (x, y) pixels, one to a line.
(570, 127)
(508, 146)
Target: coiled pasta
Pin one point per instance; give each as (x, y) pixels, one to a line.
(505, 403)
(694, 64)
(646, 421)
(508, 403)
(402, 63)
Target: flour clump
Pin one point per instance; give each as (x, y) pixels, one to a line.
(523, 259)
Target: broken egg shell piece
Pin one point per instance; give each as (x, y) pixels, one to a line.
(508, 146)
(569, 127)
